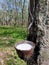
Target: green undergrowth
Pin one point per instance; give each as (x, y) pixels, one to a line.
(10, 35)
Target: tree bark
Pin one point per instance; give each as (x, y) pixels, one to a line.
(36, 32)
(23, 12)
(32, 36)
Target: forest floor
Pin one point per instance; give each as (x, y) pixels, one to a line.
(8, 38)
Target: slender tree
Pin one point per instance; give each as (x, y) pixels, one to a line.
(23, 12)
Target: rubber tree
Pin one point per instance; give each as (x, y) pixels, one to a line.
(36, 27)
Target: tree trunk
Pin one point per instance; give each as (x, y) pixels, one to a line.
(36, 31)
(23, 12)
(32, 36)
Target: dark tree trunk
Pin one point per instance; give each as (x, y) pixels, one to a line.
(34, 19)
(32, 36)
(36, 27)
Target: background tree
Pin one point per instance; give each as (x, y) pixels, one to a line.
(13, 10)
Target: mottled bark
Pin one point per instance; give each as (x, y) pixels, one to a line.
(32, 36)
(37, 10)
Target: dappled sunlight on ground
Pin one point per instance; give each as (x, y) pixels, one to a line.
(8, 56)
(8, 37)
